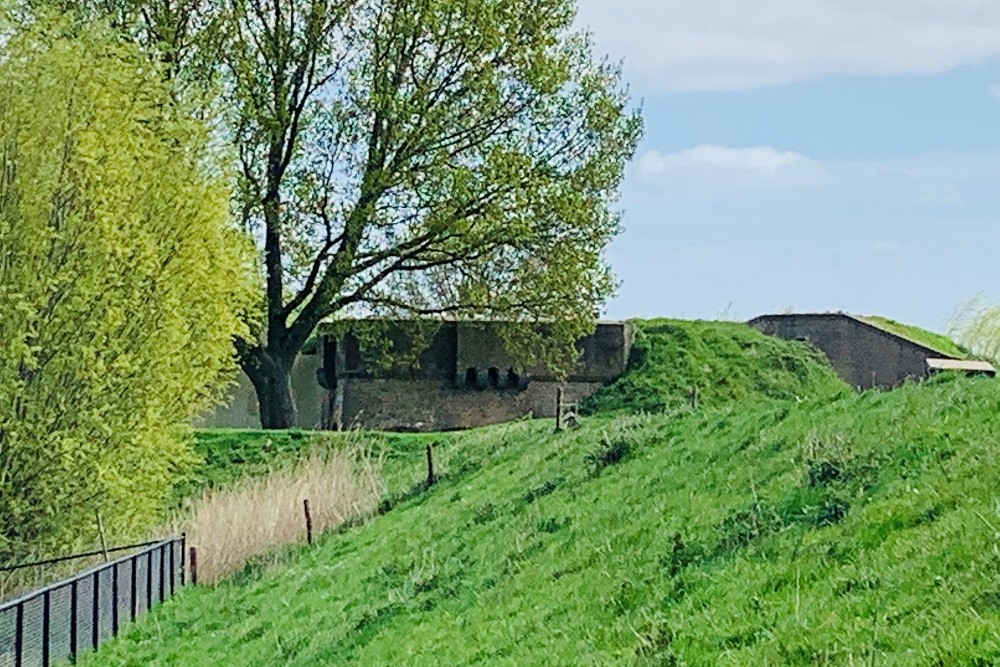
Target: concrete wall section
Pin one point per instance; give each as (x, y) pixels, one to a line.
(862, 354)
(464, 377)
(604, 354)
(241, 410)
(480, 346)
(434, 350)
(413, 405)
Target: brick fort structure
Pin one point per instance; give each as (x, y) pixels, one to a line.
(463, 378)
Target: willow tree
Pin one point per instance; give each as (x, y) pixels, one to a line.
(419, 157)
(976, 325)
(120, 276)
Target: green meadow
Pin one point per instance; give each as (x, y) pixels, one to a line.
(787, 521)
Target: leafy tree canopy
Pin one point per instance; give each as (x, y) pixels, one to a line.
(121, 286)
(434, 158)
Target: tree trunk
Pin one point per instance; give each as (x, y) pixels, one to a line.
(273, 385)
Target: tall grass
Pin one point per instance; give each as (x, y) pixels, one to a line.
(231, 525)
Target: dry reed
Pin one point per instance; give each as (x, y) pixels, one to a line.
(231, 526)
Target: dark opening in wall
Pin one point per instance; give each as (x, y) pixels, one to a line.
(471, 377)
(494, 376)
(513, 379)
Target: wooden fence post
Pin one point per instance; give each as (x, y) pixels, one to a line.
(559, 409)
(193, 565)
(431, 478)
(309, 522)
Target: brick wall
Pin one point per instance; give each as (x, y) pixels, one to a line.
(418, 405)
(432, 394)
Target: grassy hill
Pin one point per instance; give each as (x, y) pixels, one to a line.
(935, 341)
(726, 361)
(816, 528)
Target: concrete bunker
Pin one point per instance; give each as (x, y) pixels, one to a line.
(864, 354)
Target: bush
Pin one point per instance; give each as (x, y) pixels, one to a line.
(608, 453)
(120, 281)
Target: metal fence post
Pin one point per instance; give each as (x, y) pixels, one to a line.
(95, 635)
(162, 573)
(46, 627)
(173, 545)
(149, 581)
(74, 608)
(19, 636)
(183, 559)
(114, 599)
(133, 589)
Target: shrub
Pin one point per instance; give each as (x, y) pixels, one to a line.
(120, 285)
(608, 453)
(540, 492)
(484, 514)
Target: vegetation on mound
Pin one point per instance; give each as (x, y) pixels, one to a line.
(228, 456)
(935, 341)
(726, 361)
(861, 529)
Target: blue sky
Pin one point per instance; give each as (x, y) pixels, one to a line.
(808, 155)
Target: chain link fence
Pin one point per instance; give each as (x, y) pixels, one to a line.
(55, 623)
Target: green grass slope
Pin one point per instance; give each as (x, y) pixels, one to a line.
(725, 360)
(849, 529)
(935, 341)
(230, 455)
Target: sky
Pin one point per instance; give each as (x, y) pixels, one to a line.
(807, 156)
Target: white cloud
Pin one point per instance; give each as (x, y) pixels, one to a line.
(723, 45)
(721, 168)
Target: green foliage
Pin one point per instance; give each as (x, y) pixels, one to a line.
(725, 361)
(935, 341)
(384, 344)
(705, 546)
(120, 281)
(976, 325)
(401, 158)
(609, 452)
